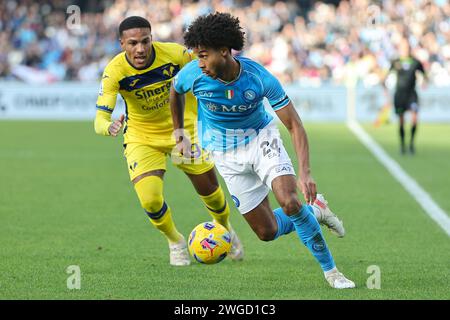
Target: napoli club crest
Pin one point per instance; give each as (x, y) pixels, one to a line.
(249, 95)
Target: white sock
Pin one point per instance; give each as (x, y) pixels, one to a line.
(326, 273)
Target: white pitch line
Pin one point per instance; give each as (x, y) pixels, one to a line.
(415, 190)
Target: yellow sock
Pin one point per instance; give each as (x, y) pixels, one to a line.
(150, 194)
(217, 207)
(166, 225)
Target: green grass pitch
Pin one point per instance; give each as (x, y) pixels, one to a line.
(65, 199)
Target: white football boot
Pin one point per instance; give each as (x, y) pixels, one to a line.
(326, 217)
(337, 280)
(179, 254)
(237, 249)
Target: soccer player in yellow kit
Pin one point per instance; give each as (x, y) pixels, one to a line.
(142, 74)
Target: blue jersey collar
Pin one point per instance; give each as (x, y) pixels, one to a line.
(238, 76)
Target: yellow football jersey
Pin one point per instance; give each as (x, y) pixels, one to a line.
(146, 95)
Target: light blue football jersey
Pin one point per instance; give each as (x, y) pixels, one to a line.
(231, 114)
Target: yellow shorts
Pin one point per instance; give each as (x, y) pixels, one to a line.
(142, 158)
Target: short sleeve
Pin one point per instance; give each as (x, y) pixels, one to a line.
(184, 79)
(273, 90)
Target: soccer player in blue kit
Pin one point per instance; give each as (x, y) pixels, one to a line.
(245, 142)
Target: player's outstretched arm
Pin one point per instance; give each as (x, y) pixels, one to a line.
(177, 102)
(291, 120)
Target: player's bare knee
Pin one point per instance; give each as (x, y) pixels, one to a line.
(291, 205)
(267, 233)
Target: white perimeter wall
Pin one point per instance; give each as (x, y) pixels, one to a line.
(76, 101)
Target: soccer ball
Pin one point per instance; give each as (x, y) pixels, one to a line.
(209, 242)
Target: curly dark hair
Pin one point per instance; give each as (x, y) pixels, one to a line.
(215, 30)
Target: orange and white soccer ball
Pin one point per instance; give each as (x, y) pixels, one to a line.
(209, 242)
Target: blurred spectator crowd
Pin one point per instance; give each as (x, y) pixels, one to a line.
(304, 42)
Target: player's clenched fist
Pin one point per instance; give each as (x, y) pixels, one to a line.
(115, 127)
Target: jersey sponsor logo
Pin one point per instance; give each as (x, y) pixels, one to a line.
(212, 106)
(237, 108)
(147, 94)
(156, 106)
(233, 108)
(205, 94)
